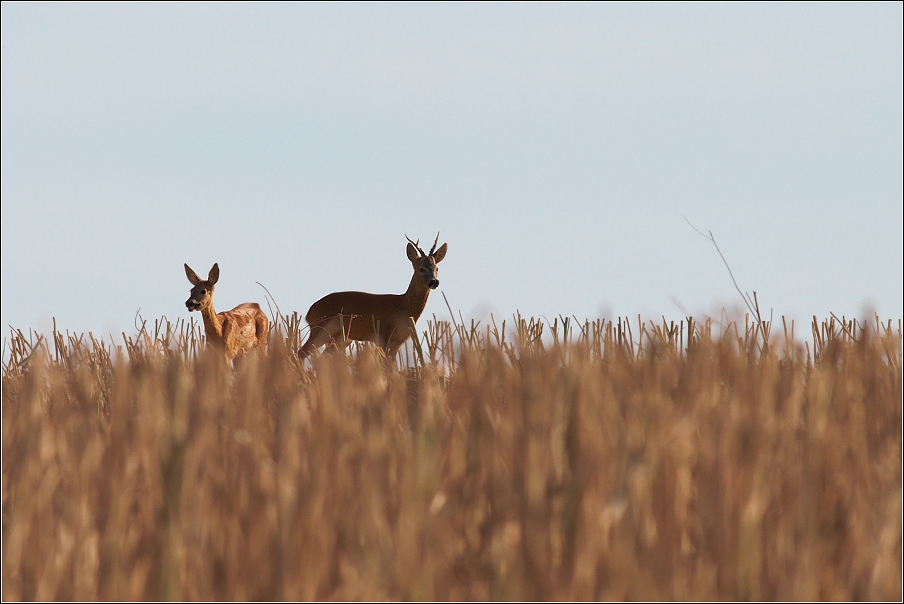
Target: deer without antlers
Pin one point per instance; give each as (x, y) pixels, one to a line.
(235, 331)
(385, 319)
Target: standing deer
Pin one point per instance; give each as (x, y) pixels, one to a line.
(235, 331)
(385, 319)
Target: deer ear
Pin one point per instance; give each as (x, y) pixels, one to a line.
(439, 254)
(412, 253)
(192, 275)
(214, 273)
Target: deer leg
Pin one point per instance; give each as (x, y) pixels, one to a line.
(391, 350)
(262, 331)
(229, 340)
(393, 345)
(330, 331)
(317, 338)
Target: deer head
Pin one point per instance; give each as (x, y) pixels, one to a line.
(202, 293)
(425, 264)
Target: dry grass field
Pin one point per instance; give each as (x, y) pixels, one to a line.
(525, 460)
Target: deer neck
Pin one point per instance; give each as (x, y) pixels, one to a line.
(415, 299)
(213, 327)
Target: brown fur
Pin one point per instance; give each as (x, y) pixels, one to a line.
(235, 331)
(379, 318)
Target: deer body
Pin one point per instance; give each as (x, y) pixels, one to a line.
(235, 331)
(384, 319)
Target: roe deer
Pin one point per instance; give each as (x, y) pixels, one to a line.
(235, 331)
(385, 319)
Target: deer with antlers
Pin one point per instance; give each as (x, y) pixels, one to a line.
(385, 319)
(235, 331)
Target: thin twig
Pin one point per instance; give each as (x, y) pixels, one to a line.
(452, 314)
(730, 274)
(278, 311)
(754, 308)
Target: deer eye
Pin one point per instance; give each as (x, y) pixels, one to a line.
(203, 292)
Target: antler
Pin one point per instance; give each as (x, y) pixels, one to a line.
(416, 245)
(435, 241)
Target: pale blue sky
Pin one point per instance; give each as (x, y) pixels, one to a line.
(557, 148)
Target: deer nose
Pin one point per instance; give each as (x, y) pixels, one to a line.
(434, 283)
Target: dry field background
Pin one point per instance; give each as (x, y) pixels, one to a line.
(528, 460)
